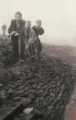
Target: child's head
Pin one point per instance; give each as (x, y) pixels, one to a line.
(18, 16)
(38, 23)
(28, 24)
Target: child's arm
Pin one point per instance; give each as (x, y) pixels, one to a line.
(41, 31)
(12, 27)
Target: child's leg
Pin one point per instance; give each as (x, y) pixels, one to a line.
(22, 54)
(15, 47)
(38, 49)
(31, 50)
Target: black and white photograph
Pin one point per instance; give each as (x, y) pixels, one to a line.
(37, 59)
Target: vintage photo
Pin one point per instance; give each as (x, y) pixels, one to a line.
(37, 60)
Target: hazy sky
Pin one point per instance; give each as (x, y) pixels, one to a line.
(58, 16)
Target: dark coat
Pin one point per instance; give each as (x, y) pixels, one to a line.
(38, 31)
(18, 27)
(18, 44)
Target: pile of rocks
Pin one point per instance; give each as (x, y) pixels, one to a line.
(49, 83)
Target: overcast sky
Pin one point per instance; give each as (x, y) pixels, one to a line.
(58, 16)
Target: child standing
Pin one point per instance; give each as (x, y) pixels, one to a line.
(38, 31)
(4, 39)
(29, 38)
(16, 31)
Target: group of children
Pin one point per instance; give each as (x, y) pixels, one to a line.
(25, 38)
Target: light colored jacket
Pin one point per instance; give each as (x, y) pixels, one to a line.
(30, 37)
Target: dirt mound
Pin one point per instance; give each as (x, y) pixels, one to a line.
(48, 82)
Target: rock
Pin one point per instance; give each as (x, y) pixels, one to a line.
(28, 110)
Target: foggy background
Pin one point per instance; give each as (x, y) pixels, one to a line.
(58, 16)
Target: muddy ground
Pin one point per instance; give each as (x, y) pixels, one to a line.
(49, 82)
